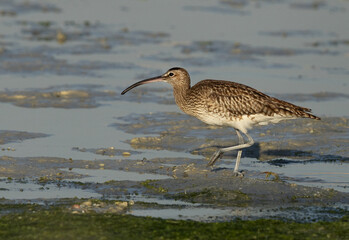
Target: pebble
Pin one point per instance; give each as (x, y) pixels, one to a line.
(76, 206)
(61, 37)
(118, 207)
(126, 154)
(87, 204)
(121, 204)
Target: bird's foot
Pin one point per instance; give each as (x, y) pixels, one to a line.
(238, 174)
(217, 155)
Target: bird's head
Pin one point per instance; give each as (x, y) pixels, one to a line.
(177, 77)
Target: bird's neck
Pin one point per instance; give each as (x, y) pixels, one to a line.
(180, 94)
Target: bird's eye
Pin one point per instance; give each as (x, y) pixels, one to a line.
(171, 74)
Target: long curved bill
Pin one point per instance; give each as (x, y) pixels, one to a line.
(145, 81)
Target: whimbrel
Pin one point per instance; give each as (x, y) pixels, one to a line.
(225, 103)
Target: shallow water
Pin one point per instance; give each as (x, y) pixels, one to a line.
(28, 190)
(63, 66)
(331, 175)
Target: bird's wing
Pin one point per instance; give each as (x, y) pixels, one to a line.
(235, 105)
(236, 99)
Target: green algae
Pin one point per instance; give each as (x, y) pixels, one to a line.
(59, 223)
(151, 185)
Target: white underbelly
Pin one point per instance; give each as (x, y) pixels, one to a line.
(242, 123)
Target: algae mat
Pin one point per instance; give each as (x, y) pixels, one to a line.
(58, 223)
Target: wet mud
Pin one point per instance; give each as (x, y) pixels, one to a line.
(85, 37)
(186, 182)
(12, 8)
(78, 96)
(8, 136)
(71, 37)
(111, 151)
(161, 168)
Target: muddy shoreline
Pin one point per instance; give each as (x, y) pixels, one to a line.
(67, 135)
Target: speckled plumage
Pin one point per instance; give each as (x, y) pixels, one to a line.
(225, 103)
(219, 102)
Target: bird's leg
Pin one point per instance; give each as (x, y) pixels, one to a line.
(217, 155)
(241, 145)
(238, 157)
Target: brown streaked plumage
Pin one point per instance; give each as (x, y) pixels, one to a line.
(225, 103)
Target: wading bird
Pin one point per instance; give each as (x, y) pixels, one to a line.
(225, 103)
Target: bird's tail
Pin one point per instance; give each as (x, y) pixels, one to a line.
(308, 115)
(289, 109)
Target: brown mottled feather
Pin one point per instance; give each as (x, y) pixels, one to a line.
(235, 99)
